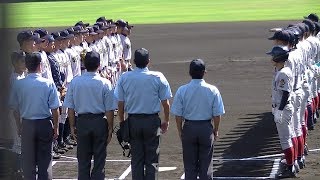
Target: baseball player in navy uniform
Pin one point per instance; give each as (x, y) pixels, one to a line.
(198, 106)
(283, 108)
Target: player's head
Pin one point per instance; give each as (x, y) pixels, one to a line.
(18, 61)
(120, 25)
(313, 17)
(280, 38)
(33, 62)
(28, 41)
(92, 61)
(51, 43)
(279, 55)
(141, 58)
(197, 69)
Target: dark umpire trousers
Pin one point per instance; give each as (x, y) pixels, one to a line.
(92, 132)
(36, 148)
(144, 140)
(197, 146)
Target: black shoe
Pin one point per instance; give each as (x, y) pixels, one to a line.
(288, 173)
(55, 155)
(69, 141)
(301, 163)
(57, 150)
(310, 128)
(297, 167)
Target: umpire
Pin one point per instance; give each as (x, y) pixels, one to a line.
(36, 101)
(91, 96)
(199, 105)
(140, 93)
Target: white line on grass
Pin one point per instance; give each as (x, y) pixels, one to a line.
(275, 168)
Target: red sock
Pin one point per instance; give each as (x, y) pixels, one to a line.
(288, 154)
(318, 100)
(304, 134)
(295, 147)
(317, 103)
(300, 146)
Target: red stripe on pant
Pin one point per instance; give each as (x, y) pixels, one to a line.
(289, 155)
(300, 146)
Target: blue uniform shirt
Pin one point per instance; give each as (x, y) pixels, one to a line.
(90, 93)
(34, 97)
(142, 91)
(197, 100)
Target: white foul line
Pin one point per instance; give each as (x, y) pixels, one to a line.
(275, 168)
(125, 173)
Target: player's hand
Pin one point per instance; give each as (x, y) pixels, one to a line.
(215, 134)
(164, 126)
(272, 110)
(278, 116)
(55, 133)
(109, 137)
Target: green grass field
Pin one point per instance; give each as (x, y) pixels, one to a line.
(65, 13)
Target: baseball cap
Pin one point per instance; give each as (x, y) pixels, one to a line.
(81, 23)
(49, 38)
(312, 17)
(36, 38)
(121, 23)
(310, 24)
(91, 31)
(25, 35)
(280, 35)
(197, 65)
(66, 34)
(101, 19)
(317, 26)
(80, 29)
(279, 54)
(41, 31)
(92, 56)
(97, 29)
(141, 54)
(57, 36)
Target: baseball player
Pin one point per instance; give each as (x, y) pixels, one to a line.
(199, 105)
(91, 96)
(283, 107)
(140, 93)
(36, 100)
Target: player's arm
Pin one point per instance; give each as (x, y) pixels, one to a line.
(284, 100)
(166, 109)
(179, 120)
(216, 123)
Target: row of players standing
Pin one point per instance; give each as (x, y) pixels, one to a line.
(295, 89)
(62, 54)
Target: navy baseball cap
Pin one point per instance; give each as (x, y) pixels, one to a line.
(91, 31)
(197, 65)
(80, 29)
(25, 36)
(141, 54)
(97, 29)
(312, 17)
(92, 56)
(310, 24)
(279, 54)
(101, 19)
(280, 35)
(66, 34)
(317, 26)
(81, 23)
(57, 36)
(49, 38)
(36, 37)
(41, 31)
(121, 23)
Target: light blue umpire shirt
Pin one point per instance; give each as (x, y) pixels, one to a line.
(197, 100)
(142, 91)
(34, 97)
(90, 93)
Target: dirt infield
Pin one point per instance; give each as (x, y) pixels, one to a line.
(237, 65)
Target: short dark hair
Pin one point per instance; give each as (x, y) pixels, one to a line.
(33, 61)
(17, 56)
(92, 61)
(197, 69)
(141, 57)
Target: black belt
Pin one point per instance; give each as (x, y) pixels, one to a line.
(90, 114)
(187, 120)
(48, 118)
(144, 115)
